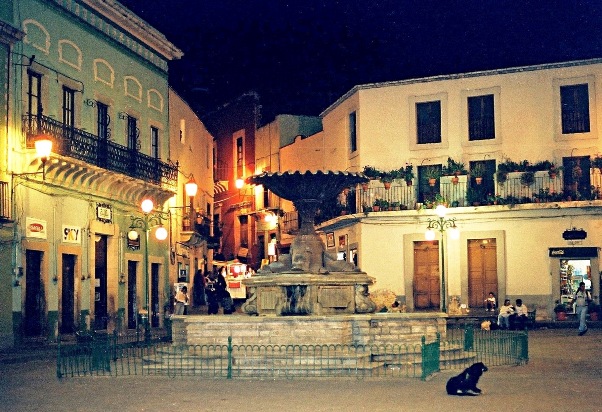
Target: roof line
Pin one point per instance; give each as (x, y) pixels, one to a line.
(458, 76)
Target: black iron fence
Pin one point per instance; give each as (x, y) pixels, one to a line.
(107, 355)
(81, 145)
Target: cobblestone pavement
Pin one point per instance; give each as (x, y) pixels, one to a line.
(564, 373)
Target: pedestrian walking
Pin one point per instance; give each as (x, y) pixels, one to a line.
(581, 300)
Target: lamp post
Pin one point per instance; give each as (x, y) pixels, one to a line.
(442, 224)
(145, 223)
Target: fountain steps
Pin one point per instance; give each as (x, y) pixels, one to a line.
(321, 363)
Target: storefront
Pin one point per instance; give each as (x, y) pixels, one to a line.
(571, 266)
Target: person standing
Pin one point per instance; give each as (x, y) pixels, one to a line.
(181, 300)
(581, 300)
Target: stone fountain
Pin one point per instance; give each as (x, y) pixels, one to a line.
(308, 281)
(307, 297)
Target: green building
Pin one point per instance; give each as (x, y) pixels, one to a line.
(90, 77)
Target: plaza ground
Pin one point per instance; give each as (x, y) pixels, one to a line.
(564, 373)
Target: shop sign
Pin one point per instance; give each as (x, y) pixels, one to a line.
(574, 234)
(35, 228)
(72, 234)
(104, 212)
(574, 252)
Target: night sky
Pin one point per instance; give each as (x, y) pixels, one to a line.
(301, 55)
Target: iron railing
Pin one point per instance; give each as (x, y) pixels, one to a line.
(81, 145)
(462, 347)
(544, 189)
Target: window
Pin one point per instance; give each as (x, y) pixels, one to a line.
(155, 142)
(352, 131)
(132, 132)
(244, 230)
(34, 93)
(577, 182)
(428, 122)
(239, 158)
(103, 120)
(182, 130)
(266, 198)
(103, 132)
(574, 103)
(481, 123)
(68, 107)
(426, 192)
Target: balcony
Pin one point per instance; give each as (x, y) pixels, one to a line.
(81, 145)
(543, 189)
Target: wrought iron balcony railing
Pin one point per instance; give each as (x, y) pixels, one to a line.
(543, 189)
(81, 145)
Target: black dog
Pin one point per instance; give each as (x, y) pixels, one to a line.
(466, 382)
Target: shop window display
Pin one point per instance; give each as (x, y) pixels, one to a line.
(572, 272)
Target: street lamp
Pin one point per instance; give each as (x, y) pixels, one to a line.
(148, 221)
(442, 224)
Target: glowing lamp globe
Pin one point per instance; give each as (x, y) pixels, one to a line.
(161, 233)
(147, 205)
(430, 234)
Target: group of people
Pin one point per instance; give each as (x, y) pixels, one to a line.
(509, 316)
(516, 316)
(217, 293)
(214, 293)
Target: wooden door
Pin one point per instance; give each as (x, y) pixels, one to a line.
(100, 288)
(35, 299)
(427, 293)
(68, 294)
(482, 271)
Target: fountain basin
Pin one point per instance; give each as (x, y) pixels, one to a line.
(302, 293)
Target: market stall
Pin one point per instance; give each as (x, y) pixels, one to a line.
(235, 272)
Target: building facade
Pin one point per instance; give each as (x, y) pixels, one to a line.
(90, 77)
(233, 127)
(190, 216)
(525, 145)
(9, 35)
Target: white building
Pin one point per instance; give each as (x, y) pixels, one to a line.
(511, 231)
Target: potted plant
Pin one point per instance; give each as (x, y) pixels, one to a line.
(527, 178)
(387, 178)
(408, 174)
(432, 173)
(475, 196)
(597, 162)
(594, 311)
(455, 169)
(560, 310)
(553, 170)
(371, 172)
(478, 171)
